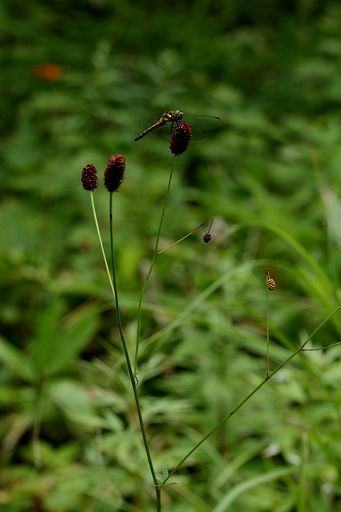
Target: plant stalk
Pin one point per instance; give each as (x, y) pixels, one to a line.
(155, 254)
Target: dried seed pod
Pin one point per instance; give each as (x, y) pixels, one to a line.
(271, 283)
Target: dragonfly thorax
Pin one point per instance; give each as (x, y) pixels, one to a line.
(173, 115)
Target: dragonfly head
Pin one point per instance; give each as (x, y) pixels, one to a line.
(178, 114)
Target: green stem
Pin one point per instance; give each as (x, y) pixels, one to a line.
(267, 335)
(186, 236)
(247, 398)
(101, 242)
(155, 254)
(113, 285)
(130, 371)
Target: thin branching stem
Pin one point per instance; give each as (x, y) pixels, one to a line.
(152, 263)
(185, 236)
(313, 349)
(247, 398)
(267, 335)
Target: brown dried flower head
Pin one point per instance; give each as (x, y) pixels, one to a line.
(271, 283)
(180, 138)
(114, 172)
(89, 177)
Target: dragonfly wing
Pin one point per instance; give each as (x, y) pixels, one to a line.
(203, 126)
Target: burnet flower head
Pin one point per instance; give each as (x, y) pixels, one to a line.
(114, 172)
(89, 177)
(180, 138)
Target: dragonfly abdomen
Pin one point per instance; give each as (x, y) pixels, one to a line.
(151, 128)
(168, 116)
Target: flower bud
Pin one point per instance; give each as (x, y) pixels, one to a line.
(114, 172)
(207, 237)
(180, 138)
(89, 177)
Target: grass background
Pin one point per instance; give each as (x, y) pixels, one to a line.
(77, 79)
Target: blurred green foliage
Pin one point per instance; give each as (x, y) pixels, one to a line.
(77, 79)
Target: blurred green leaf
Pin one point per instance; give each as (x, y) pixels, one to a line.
(59, 340)
(15, 361)
(76, 402)
(332, 205)
(231, 496)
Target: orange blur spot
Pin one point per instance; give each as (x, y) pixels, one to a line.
(49, 72)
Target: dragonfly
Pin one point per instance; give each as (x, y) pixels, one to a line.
(173, 117)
